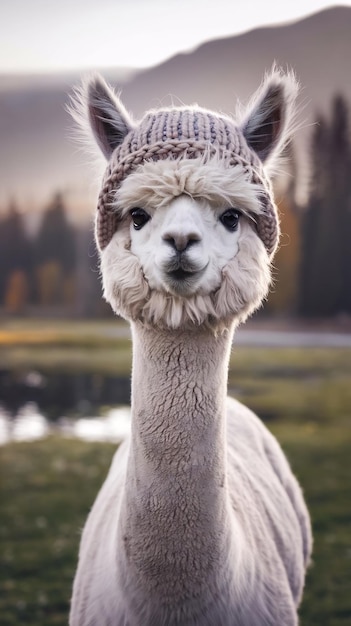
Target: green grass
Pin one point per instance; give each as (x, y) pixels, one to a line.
(310, 385)
(47, 487)
(46, 492)
(77, 344)
(320, 457)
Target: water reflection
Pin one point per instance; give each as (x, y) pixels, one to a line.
(34, 404)
(59, 393)
(29, 424)
(114, 427)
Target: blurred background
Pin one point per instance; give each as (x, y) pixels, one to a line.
(64, 358)
(47, 186)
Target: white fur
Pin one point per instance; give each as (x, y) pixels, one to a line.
(200, 521)
(245, 282)
(132, 263)
(156, 183)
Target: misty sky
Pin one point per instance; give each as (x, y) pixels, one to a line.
(47, 35)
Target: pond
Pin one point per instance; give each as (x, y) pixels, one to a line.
(84, 404)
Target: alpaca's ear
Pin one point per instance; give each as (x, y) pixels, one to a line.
(108, 118)
(95, 107)
(268, 123)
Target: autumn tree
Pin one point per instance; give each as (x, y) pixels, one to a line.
(55, 253)
(15, 260)
(283, 296)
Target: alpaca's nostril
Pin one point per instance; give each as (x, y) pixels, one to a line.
(181, 241)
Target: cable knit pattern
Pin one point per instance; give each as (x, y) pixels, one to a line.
(184, 133)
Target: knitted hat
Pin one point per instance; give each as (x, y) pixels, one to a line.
(187, 133)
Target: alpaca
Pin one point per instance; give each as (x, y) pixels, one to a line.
(200, 520)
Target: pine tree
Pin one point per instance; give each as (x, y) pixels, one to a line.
(325, 281)
(311, 219)
(55, 240)
(55, 250)
(340, 199)
(15, 248)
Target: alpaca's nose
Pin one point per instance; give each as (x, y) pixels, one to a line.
(181, 241)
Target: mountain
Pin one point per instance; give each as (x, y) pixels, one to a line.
(318, 48)
(37, 157)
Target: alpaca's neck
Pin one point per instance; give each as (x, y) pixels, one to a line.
(176, 502)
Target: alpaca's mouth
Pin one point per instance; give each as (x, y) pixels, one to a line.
(180, 274)
(182, 281)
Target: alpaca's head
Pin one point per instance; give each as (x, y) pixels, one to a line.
(186, 223)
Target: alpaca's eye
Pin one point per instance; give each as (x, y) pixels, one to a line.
(139, 217)
(230, 219)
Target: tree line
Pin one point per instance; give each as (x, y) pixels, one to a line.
(55, 271)
(52, 272)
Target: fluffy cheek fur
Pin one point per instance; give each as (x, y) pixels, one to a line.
(245, 283)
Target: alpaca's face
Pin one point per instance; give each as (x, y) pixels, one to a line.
(182, 247)
(195, 226)
(186, 249)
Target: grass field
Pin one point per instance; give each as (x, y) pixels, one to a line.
(47, 487)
